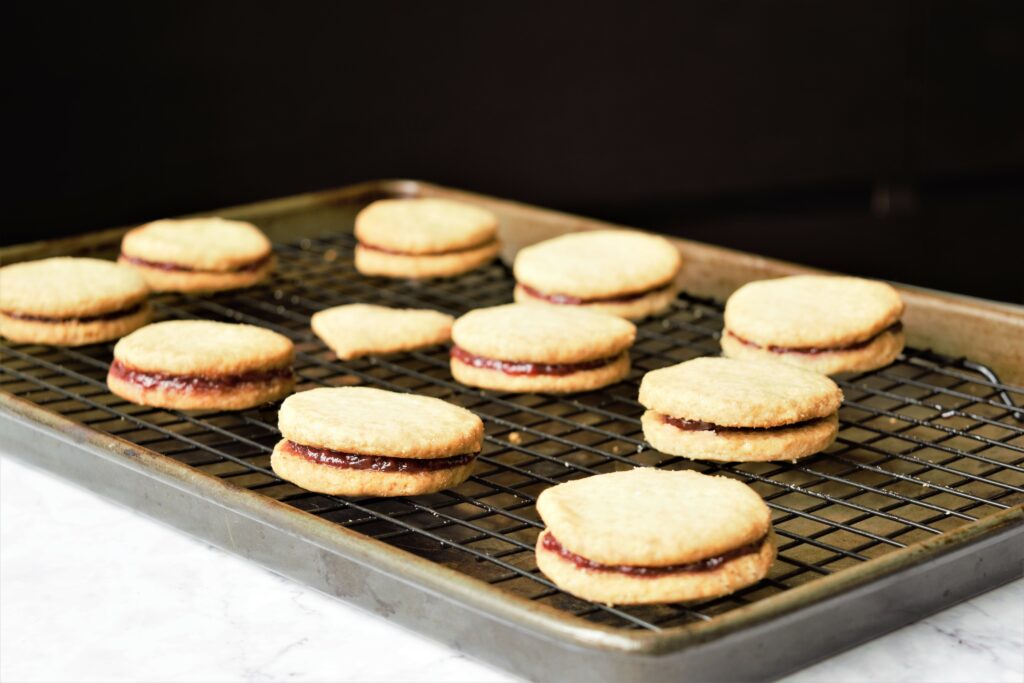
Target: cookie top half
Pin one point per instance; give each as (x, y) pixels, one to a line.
(208, 243)
(425, 225)
(649, 517)
(543, 334)
(812, 310)
(740, 393)
(369, 421)
(203, 348)
(598, 263)
(66, 287)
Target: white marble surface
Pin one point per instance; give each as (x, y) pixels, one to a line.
(90, 591)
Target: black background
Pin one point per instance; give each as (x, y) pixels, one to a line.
(878, 138)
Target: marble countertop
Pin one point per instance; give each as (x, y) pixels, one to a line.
(94, 592)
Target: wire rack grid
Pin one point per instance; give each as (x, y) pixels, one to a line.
(925, 445)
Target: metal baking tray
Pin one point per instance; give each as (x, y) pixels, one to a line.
(917, 505)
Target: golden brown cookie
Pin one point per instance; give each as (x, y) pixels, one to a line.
(550, 349)
(739, 410)
(424, 237)
(70, 301)
(622, 272)
(829, 324)
(359, 441)
(653, 536)
(202, 365)
(356, 330)
(198, 254)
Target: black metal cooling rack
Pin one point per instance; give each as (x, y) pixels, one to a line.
(925, 445)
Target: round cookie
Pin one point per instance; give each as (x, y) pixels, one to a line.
(829, 324)
(739, 410)
(653, 536)
(622, 272)
(360, 441)
(522, 348)
(424, 237)
(68, 301)
(198, 254)
(356, 330)
(202, 365)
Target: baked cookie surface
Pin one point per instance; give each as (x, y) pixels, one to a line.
(424, 237)
(70, 301)
(365, 441)
(517, 347)
(202, 365)
(622, 272)
(649, 535)
(198, 254)
(356, 330)
(739, 410)
(826, 323)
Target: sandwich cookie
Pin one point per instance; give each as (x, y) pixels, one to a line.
(653, 536)
(829, 324)
(358, 330)
(202, 365)
(739, 410)
(550, 349)
(622, 272)
(70, 301)
(358, 441)
(424, 237)
(198, 254)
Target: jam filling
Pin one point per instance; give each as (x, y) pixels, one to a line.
(701, 426)
(570, 300)
(385, 250)
(706, 565)
(377, 463)
(162, 265)
(152, 380)
(511, 367)
(814, 350)
(112, 315)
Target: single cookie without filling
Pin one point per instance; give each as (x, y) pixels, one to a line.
(198, 254)
(739, 410)
(829, 324)
(623, 272)
(356, 330)
(359, 441)
(202, 365)
(648, 536)
(424, 237)
(70, 301)
(524, 348)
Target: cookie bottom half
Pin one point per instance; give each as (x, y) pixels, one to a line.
(634, 309)
(583, 380)
(71, 332)
(881, 351)
(163, 280)
(235, 397)
(376, 262)
(340, 481)
(753, 445)
(616, 588)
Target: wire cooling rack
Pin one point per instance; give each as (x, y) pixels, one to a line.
(925, 445)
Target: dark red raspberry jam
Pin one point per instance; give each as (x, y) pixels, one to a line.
(814, 350)
(570, 300)
(161, 265)
(706, 565)
(385, 250)
(377, 463)
(112, 315)
(700, 426)
(511, 367)
(194, 383)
